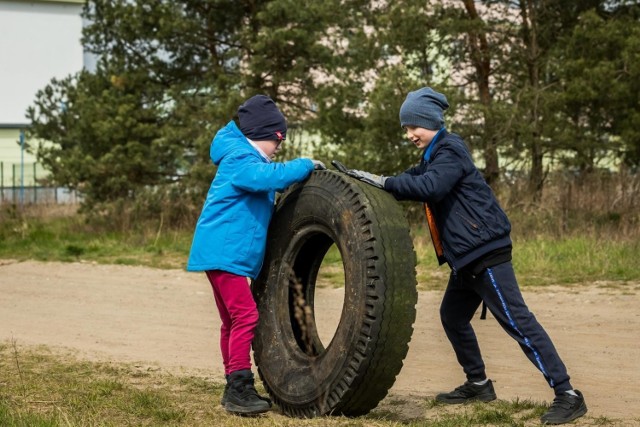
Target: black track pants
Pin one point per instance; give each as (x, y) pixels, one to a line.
(498, 288)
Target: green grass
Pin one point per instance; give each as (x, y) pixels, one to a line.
(539, 259)
(70, 238)
(331, 273)
(543, 261)
(549, 260)
(41, 388)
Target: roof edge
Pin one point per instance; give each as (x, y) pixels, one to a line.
(14, 125)
(53, 1)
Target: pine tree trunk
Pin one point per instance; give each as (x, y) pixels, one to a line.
(481, 59)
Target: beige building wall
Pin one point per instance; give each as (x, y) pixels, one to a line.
(12, 159)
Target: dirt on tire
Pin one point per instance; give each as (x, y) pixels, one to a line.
(167, 319)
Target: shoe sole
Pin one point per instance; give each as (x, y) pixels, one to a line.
(223, 402)
(481, 398)
(244, 410)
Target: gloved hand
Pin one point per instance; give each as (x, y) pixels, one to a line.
(318, 165)
(369, 178)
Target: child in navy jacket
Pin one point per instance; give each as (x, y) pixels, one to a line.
(471, 233)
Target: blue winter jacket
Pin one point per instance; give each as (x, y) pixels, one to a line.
(468, 218)
(231, 232)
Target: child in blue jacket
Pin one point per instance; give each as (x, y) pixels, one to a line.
(471, 233)
(230, 236)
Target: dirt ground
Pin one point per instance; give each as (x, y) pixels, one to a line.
(166, 319)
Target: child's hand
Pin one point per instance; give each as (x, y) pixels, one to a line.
(369, 178)
(341, 168)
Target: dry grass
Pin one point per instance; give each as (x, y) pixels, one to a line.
(41, 388)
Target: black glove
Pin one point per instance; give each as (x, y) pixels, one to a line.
(318, 165)
(369, 178)
(341, 168)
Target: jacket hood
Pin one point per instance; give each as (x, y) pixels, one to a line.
(228, 139)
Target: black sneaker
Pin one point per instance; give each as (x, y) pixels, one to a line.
(565, 408)
(469, 392)
(242, 397)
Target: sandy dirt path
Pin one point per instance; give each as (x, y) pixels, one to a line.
(167, 319)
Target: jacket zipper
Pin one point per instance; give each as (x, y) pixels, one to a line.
(467, 220)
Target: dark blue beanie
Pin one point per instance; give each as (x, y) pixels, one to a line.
(424, 108)
(260, 119)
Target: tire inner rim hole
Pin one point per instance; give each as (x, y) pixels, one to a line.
(314, 319)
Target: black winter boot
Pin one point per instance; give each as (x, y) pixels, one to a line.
(223, 401)
(469, 392)
(242, 397)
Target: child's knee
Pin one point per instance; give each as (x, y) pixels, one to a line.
(444, 318)
(249, 318)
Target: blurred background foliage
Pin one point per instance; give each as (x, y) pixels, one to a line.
(545, 93)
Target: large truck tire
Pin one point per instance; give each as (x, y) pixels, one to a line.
(357, 368)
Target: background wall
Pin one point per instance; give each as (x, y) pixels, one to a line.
(38, 41)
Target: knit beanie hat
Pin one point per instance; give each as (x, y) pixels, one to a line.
(424, 108)
(260, 119)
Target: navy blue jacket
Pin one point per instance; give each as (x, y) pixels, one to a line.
(469, 220)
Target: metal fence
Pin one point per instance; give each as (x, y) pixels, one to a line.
(33, 195)
(21, 184)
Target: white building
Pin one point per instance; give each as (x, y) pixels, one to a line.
(39, 40)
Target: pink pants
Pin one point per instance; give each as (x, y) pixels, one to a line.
(239, 316)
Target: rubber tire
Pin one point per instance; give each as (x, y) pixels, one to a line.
(355, 371)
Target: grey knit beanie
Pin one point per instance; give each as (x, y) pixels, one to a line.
(424, 108)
